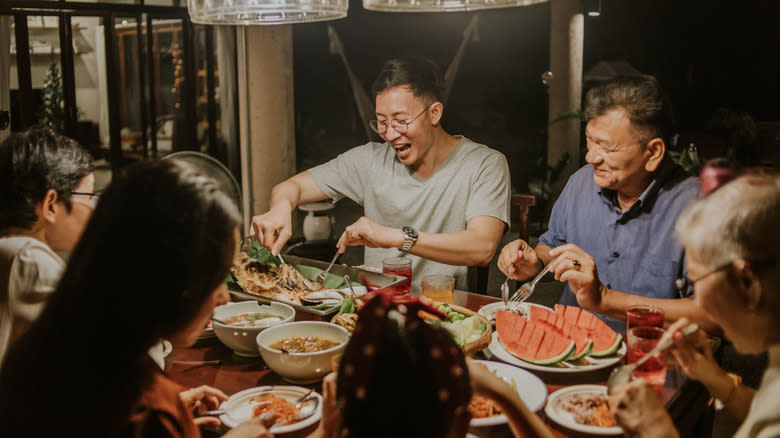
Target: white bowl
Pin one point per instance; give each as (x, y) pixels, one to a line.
(301, 367)
(242, 339)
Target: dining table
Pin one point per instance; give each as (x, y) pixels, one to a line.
(209, 362)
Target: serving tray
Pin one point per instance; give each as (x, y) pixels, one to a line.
(355, 274)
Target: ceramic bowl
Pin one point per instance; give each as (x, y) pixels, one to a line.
(302, 367)
(241, 339)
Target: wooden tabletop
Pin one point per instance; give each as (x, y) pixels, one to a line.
(685, 399)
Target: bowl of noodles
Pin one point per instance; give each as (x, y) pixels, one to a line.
(245, 405)
(302, 351)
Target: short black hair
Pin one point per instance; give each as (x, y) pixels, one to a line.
(31, 164)
(421, 75)
(643, 99)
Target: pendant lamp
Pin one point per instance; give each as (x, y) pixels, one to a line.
(248, 12)
(442, 5)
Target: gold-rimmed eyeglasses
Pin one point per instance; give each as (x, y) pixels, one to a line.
(399, 126)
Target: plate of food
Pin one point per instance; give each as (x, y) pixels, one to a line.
(208, 331)
(566, 339)
(470, 330)
(258, 275)
(583, 408)
(533, 392)
(250, 403)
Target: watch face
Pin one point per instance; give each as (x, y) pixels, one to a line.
(411, 232)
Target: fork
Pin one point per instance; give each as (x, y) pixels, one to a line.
(524, 292)
(321, 277)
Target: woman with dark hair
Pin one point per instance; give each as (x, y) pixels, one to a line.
(46, 198)
(151, 264)
(403, 377)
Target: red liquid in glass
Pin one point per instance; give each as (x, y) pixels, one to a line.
(405, 287)
(644, 318)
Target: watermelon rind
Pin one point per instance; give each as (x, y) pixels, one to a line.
(552, 360)
(611, 350)
(586, 351)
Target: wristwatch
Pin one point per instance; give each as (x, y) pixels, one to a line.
(410, 238)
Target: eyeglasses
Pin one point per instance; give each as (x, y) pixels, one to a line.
(685, 284)
(609, 148)
(399, 126)
(92, 197)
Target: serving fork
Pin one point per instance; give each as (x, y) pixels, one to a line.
(321, 277)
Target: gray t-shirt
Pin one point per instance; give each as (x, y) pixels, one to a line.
(472, 181)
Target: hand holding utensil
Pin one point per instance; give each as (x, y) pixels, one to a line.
(524, 292)
(321, 277)
(622, 375)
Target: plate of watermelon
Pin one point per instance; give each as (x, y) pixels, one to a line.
(567, 339)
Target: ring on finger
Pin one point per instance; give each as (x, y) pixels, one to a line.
(576, 264)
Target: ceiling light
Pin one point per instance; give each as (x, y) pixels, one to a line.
(265, 11)
(442, 5)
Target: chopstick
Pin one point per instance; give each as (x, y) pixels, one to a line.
(196, 362)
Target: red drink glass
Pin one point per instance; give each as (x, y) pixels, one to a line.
(401, 266)
(644, 316)
(641, 340)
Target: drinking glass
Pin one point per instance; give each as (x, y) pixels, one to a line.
(439, 288)
(399, 266)
(641, 340)
(644, 316)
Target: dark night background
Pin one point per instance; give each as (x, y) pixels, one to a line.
(717, 61)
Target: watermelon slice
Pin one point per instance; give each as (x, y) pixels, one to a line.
(605, 340)
(556, 322)
(531, 341)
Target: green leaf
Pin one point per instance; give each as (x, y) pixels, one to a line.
(262, 254)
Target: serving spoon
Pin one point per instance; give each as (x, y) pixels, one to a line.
(622, 375)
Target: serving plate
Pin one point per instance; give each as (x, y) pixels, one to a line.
(530, 388)
(557, 414)
(378, 279)
(239, 409)
(585, 364)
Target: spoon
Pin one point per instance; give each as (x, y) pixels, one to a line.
(622, 375)
(349, 285)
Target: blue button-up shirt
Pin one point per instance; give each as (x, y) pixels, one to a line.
(635, 251)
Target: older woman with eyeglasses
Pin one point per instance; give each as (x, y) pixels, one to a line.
(732, 246)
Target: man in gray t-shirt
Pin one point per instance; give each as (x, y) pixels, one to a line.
(443, 199)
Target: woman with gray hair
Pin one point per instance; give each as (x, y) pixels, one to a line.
(732, 247)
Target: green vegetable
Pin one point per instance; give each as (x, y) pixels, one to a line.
(262, 254)
(347, 306)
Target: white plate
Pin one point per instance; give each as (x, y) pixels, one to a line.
(240, 410)
(530, 388)
(489, 310)
(560, 416)
(583, 365)
(207, 332)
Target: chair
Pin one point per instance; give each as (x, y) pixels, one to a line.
(519, 205)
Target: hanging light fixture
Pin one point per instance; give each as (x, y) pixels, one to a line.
(247, 12)
(442, 5)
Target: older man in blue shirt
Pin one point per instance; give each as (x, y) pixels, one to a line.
(617, 212)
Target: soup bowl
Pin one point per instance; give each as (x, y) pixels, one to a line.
(241, 338)
(302, 367)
